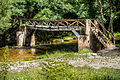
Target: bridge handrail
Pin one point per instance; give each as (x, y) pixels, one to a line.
(64, 22)
(106, 30)
(98, 29)
(56, 19)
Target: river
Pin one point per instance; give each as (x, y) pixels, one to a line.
(16, 53)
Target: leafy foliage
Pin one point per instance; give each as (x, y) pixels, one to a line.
(13, 10)
(5, 15)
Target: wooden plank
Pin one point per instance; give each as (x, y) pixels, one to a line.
(76, 33)
(99, 30)
(55, 19)
(54, 29)
(107, 31)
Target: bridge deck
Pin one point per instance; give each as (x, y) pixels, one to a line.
(55, 28)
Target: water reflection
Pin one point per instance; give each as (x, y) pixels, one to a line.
(18, 53)
(33, 51)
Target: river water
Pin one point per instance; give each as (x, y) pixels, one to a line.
(26, 53)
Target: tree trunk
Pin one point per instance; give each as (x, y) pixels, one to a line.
(101, 11)
(111, 18)
(110, 28)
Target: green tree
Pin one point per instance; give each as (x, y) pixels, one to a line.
(5, 18)
(5, 15)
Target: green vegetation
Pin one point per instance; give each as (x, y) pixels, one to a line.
(67, 38)
(117, 34)
(5, 15)
(117, 45)
(62, 53)
(4, 65)
(54, 54)
(85, 51)
(64, 71)
(13, 10)
(117, 38)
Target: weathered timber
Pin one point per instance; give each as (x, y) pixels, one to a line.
(68, 23)
(90, 34)
(76, 33)
(101, 37)
(87, 32)
(56, 28)
(95, 44)
(42, 26)
(25, 33)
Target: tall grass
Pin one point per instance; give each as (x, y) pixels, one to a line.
(4, 66)
(54, 54)
(64, 71)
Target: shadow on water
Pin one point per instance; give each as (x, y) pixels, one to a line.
(26, 53)
(67, 47)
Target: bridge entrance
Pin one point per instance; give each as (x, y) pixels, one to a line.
(90, 33)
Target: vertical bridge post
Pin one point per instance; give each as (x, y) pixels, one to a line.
(29, 38)
(88, 25)
(32, 41)
(20, 35)
(84, 40)
(25, 36)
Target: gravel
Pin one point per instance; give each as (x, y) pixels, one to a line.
(104, 58)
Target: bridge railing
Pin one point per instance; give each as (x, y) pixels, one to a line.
(56, 24)
(101, 29)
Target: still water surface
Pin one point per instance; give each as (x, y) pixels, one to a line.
(26, 53)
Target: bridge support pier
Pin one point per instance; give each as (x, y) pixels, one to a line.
(84, 40)
(19, 37)
(89, 40)
(32, 39)
(92, 37)
(26, 37)
(95, 44)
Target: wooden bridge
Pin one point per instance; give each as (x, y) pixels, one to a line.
(92, 34)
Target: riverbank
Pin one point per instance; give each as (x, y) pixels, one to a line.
(16, 53)
(93, 65)
(61, 62)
